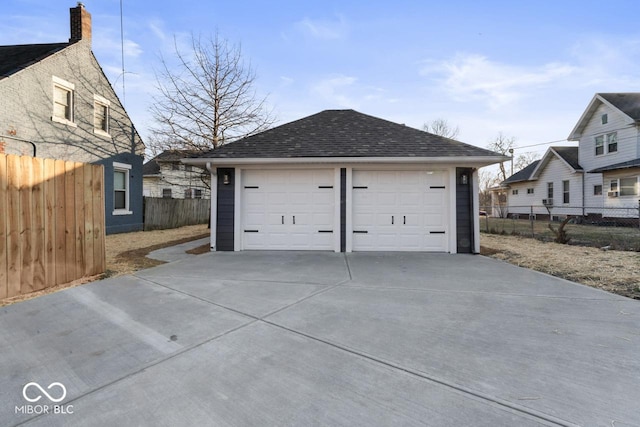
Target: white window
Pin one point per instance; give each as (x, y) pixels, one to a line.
(605, 119)
(550, 190)
(101, 107)
(629, 186)
(514, 192)
(565, 191)
(597, 190)
(63, 101)
(599, 145)
(529, 190)
(613, 185)
(121, 189)
(606, 143)
(612, 142)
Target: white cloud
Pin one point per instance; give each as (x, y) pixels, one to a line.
(475, 76)
(333, 89)
(323, 29)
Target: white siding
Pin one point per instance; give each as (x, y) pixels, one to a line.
(176, 180)
(617, 122)
(555, 171)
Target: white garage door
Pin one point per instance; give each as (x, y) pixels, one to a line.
(288, 209)
(400, 211)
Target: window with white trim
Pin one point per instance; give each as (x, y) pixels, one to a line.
(605, 144)
(514, 192)
(597, 190)
(565, 191)
(613, 185)
(166, 193)
(63, 101)
(550, 190)
(101, 113)
(530, 190)
(612, 142)
(628, 186)
(121, 188)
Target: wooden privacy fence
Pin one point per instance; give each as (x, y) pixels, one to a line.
(160, 214)
(51, 223)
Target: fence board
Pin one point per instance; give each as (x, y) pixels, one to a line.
(60, 233)
(49, 177)
(70, 220)
(3, 228)
(160, 213)
(80, 263)
(14, 242)
(87, 186)
(26, 225)
(99, 221)
(37, 224)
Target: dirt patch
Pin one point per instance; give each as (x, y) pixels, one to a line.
(200, 250)
(612, 271)
(127, 253)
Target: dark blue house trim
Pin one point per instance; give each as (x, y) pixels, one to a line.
(123, 223)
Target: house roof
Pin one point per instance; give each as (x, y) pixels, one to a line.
(624, 165)
(17, 57)
(152, 167)
(568, 155)
(522, 175)
(626, 102)
(345, 133)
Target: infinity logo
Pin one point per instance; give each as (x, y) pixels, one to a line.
(42, 391)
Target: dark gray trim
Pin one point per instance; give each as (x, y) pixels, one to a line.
(225, 209)
(343, 209)
(464, 211)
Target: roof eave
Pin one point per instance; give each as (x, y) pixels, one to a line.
(472, 161)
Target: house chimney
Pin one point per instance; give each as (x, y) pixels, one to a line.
(80, 24)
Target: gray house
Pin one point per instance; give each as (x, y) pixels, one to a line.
(345, 181)
(56, 102)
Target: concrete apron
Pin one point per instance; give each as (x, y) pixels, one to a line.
(264, 338)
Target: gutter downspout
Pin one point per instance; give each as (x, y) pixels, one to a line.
(22, 140)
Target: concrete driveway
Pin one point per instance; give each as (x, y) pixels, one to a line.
(264, 338)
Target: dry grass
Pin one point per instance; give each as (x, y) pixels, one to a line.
(127, 253)
(612, 271)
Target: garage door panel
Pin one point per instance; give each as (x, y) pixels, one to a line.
(399, 210)
(282, 195)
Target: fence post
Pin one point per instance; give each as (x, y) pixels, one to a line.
(531, 222)
(639, 214)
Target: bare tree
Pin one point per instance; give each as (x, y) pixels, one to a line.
(208, 100)
(504, 145)
(441, 127)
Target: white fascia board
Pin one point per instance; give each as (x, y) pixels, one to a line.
(477, 162)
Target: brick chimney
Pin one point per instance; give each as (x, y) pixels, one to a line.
(80, 24)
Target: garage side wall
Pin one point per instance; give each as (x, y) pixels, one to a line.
(464, 211)
(225, 209)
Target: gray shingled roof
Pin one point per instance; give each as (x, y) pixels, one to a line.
(345, 133)
(17, 57)
(628, 103)
(152, 167)
(521, 175)
(624, 165)
(570, 155)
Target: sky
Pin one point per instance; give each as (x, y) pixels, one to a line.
(526, 69)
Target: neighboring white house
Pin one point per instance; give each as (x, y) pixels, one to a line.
(609, 151)
(600, 177)
(166, 176)
(555, 181)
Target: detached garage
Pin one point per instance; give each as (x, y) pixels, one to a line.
(344, 181)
